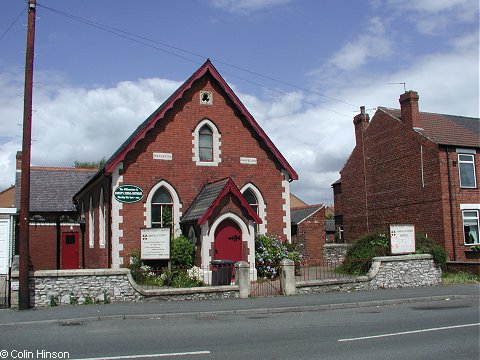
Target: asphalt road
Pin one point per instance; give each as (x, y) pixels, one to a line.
(447, 329)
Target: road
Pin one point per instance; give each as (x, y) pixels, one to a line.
(447, 329)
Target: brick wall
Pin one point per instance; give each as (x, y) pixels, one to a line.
(311, 235)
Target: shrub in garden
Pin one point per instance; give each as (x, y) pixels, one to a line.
(182, 252)
(269, 251)
(360, 254)
(425, 245)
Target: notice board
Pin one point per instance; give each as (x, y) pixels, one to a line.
(402, 239)
(155, 244)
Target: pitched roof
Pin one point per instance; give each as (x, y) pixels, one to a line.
(52, 189)
(300, 214)
(157, 115)
(209, 198)
(445, 129)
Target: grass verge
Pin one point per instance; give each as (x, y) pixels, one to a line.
(449, 278)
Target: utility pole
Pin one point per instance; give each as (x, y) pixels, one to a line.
(24, 266)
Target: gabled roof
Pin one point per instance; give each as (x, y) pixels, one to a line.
(445, 129)
(52, 189)
(209, 198)
(149, 123)
(300, 214)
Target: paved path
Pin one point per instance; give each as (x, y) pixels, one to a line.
(312, 302)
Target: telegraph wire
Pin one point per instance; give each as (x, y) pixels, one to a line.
(132, 37)
(13, 23)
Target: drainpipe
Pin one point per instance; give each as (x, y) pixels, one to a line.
(450, 201)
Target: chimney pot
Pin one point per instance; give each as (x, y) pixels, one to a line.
(18, 164)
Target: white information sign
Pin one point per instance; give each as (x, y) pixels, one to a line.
(162, 156)
(248, 161)
(402, 239)
(155, 244)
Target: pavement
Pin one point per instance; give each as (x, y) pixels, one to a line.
(260, 305)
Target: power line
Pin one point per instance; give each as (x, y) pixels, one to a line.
(134, 37)
(13, 23)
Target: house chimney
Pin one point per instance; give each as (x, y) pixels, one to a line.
(361, 122)
(18, 165)
(409, 109)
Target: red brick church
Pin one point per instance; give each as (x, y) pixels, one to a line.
(200, 166)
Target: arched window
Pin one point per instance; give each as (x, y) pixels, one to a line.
(162, 203)
(91, 225)
(251, 199)
(101, 220)
(205, 143)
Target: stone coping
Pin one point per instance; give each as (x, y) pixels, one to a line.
(75, 272)
(308, 283)
(336, 245)
(403, 257)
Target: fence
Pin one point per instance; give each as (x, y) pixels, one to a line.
(184, 277)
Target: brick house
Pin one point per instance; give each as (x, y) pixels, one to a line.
(55, 239)
(7, 196)
(308, 230)
(411, 167)
(199, 165)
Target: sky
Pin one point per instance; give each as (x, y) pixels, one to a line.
(301, 67)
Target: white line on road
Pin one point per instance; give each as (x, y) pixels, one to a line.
(409, 332)
(146, 356)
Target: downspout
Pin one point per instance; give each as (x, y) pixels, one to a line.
(450, 201)
(57, 224)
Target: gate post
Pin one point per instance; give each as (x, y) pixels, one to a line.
(243, 278)
(287, 277)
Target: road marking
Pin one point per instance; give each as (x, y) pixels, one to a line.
(408, 332)
(146, 356)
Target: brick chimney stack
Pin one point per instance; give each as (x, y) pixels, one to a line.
(361, 122)
(409, 109)
(18, 165)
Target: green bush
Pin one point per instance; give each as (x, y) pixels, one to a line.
(269, 251)
(182, 252)
(425, 245)
(360, 254)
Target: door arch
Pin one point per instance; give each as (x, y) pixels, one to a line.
(228, 241)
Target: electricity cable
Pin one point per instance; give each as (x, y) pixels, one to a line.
(13, 23)
(131, 37)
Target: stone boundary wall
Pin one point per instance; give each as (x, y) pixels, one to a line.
(335, 253)
(387, 272)
(64, 287)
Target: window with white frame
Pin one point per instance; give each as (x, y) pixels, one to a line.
(466, 168)
(253, 202)
(91, 225)
(101, 220)
(162, 208)
(470, 227)
(206, 144)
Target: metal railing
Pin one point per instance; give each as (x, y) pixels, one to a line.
(184, 277)
(319, 269)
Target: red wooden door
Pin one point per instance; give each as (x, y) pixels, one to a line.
(228, 241)
(70, 250)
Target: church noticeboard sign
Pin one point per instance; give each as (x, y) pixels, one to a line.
(402, 239)
(155, 244)
(128, 194)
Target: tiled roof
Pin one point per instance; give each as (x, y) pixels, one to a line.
(204, 200)
(297, 215)
(210, 197)
(52, 189)
(446, 129)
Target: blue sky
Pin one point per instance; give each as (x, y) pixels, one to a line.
(302, 68)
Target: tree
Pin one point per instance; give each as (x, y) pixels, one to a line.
(90, 164)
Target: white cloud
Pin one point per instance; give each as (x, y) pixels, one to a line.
(247, 6)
